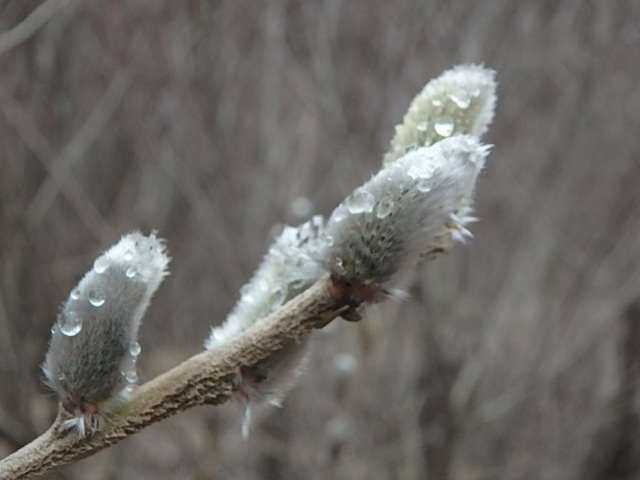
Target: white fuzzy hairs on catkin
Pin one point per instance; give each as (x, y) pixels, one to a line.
(461, 101)
(289, 268)
(427, 182)
(382, 227)
(91, 361)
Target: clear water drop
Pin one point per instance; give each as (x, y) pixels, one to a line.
(70, 323)
(422, 126)
(128, 255)
(461, 99)
(54, 329)
(444, 126)
(385, 208)
(134, 348)
(61, 377)
(131, 272)
(339, 214)
(101, 264)
(360, 201)
(436, 102)
(329, 241)
(75, 294)
(128, 390)
(97, 297)
(421, 170)
(130, 375)
(424, 185)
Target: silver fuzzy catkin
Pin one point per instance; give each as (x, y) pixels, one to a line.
(461, 101)
(383, 225)
(93, 349)
(290, 267)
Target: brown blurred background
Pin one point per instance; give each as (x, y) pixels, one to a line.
(517, 357)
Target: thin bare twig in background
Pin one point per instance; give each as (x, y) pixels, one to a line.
(79, 145)
(58, 170)
(30, 25)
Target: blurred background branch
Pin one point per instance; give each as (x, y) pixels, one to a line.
(30, 24)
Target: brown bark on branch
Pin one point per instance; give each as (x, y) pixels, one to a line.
(206, 378)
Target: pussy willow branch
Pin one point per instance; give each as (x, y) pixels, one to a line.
(204, 379)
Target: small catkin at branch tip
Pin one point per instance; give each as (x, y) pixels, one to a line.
(91, 362)
(461, 101)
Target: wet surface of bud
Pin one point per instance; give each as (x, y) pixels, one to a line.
(95, 338)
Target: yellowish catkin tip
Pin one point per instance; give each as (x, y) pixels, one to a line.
(461, 101)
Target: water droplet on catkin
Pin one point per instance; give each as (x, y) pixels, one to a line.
(70, 323)
(339, 214)
(444, 126)
(422, 126)
(130, 375)
(97, 297)
(75, 294)
(421, 170)
(361, 202)
(128, 390)
(128, 255)
(130, 272)
(424, 185)
(101, 264)
(385, 208)
(461, 99)
(135, 349)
